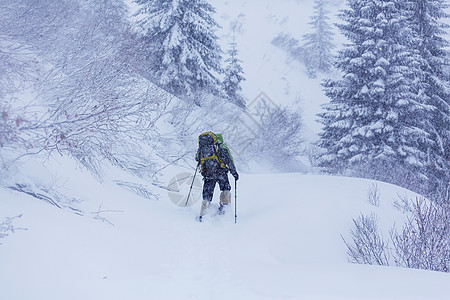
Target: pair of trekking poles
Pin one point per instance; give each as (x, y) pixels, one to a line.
(235, 194)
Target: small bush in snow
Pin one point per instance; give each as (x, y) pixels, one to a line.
(373, 194)
(402, 204)
(7, 227)
(424, 241)
(280, 138)
(98, 215)
(368, 246)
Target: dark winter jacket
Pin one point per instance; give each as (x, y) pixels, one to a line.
(225, 158)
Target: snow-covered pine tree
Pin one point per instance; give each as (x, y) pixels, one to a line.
(233, 76)
(375, 119)
(426, 22)
(319, 44)
(185, 58)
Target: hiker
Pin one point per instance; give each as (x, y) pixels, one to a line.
(215, 161)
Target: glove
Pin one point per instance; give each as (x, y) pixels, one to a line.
(235, 175)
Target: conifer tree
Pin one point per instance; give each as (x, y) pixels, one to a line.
(185, 57)
(426, 23)
(233, 76)
(319, 44)
(376, 118)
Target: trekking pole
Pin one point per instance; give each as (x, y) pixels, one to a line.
(187, 200)
(235, 201)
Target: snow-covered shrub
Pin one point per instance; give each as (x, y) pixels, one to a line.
(18, 71)
(98, 215)
(100, 107)
(373, 194)
(313, 153)
(8, 125)
(49, 194)
(89, 100)
(368, 245)
(18, 65)
(279, 139)
(424, 241)
(7, 226)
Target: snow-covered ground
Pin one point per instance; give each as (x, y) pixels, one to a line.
(285, 245)
(107, 242)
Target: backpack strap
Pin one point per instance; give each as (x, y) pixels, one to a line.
(214, 156)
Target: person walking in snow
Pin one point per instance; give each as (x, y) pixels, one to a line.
(215, 160)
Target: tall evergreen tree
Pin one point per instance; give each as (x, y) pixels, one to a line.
(319, 44)
(185, 57)
(426, 22)
(375, 118)
(233, 76)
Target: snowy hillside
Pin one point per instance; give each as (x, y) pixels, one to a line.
(268, 68)
(285, 245)
(68, 234)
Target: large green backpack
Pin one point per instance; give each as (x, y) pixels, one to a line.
(223, 145)
(207, 154)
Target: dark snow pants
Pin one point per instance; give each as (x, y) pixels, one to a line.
(210, 183)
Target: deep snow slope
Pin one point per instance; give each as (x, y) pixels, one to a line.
(285, 245)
